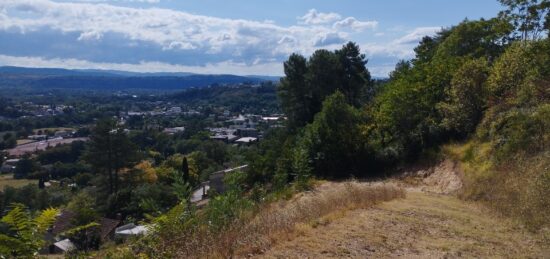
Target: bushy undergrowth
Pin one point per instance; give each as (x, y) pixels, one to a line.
(232, 225)
(518, 186)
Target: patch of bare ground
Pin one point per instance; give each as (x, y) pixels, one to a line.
(424, 225)
(282, 221)
(429, 223)
(443, 178)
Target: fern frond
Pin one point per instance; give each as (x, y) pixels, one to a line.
(10, 246)
(45, 219)
(18, 219)
(77, 229)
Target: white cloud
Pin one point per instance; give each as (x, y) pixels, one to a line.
(169, 29)
(329, 38)
(352, 23)
(381, 70)
(179, 45)
(186, 42)
(388, 50)
(90, 35)
(417, 34)
(128, 1)
(312, 17)
(401, 48)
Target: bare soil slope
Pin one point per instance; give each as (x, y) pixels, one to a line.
(428, 223)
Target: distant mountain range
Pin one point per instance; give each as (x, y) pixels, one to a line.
(57, 78)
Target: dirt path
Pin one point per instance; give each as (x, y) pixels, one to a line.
(426, 224)
(421, 226)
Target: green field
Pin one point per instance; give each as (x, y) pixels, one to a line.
(24, 141)
(52, 130)
(7, 180)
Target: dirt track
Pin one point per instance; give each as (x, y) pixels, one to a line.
(426, 224)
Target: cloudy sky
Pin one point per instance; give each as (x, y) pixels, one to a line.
(241, 37)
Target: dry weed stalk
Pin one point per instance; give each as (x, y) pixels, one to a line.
(277, 221)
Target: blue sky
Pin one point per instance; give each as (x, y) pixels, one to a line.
(221, 37)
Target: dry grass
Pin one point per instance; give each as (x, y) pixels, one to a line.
(7, 180)
(24, 141)
(517, 187)
(285, 220)
(423, 225)
(254, 233)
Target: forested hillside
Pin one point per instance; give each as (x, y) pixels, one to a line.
(46, 79)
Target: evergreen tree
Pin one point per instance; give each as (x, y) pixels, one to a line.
(185, 169)
(293, 92)
(307, 84)
(24, 167)
(109, 151)
(355, 78)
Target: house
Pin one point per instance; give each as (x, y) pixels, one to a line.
(62, 247)
(223, 134)
(247, 132)
(246, 140)
(173, 111)
(63, 134)
(129, 230)
(172, 131)
(224, 137)
(191, 113)
(64, 222)
(38, 137)
(216, 179)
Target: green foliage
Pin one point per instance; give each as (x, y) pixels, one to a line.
(520, 75)
(521, 130)
(355, 77)
(25, 167)
(509, 72)
(109, 151)
(85, 237)
(293, 92)
(84, 207)
(182, 189)
(308, 83)
(421, 106)
(530, 17)
(333, 141)
(247, 99)
(34, 198)
(64, 154)
(136, 201)
(224, 209)
(236, 181)
(464, 106)
(27, 233)
(301, 166)
(185, 169)
(8, 140)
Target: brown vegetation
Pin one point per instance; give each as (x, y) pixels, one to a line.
(283, 220)
(423, 225)
(516, 187)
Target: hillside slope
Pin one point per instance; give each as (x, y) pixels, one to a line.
(426, 224)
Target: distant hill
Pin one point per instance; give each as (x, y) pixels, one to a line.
(50, 78)
(53, 71)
